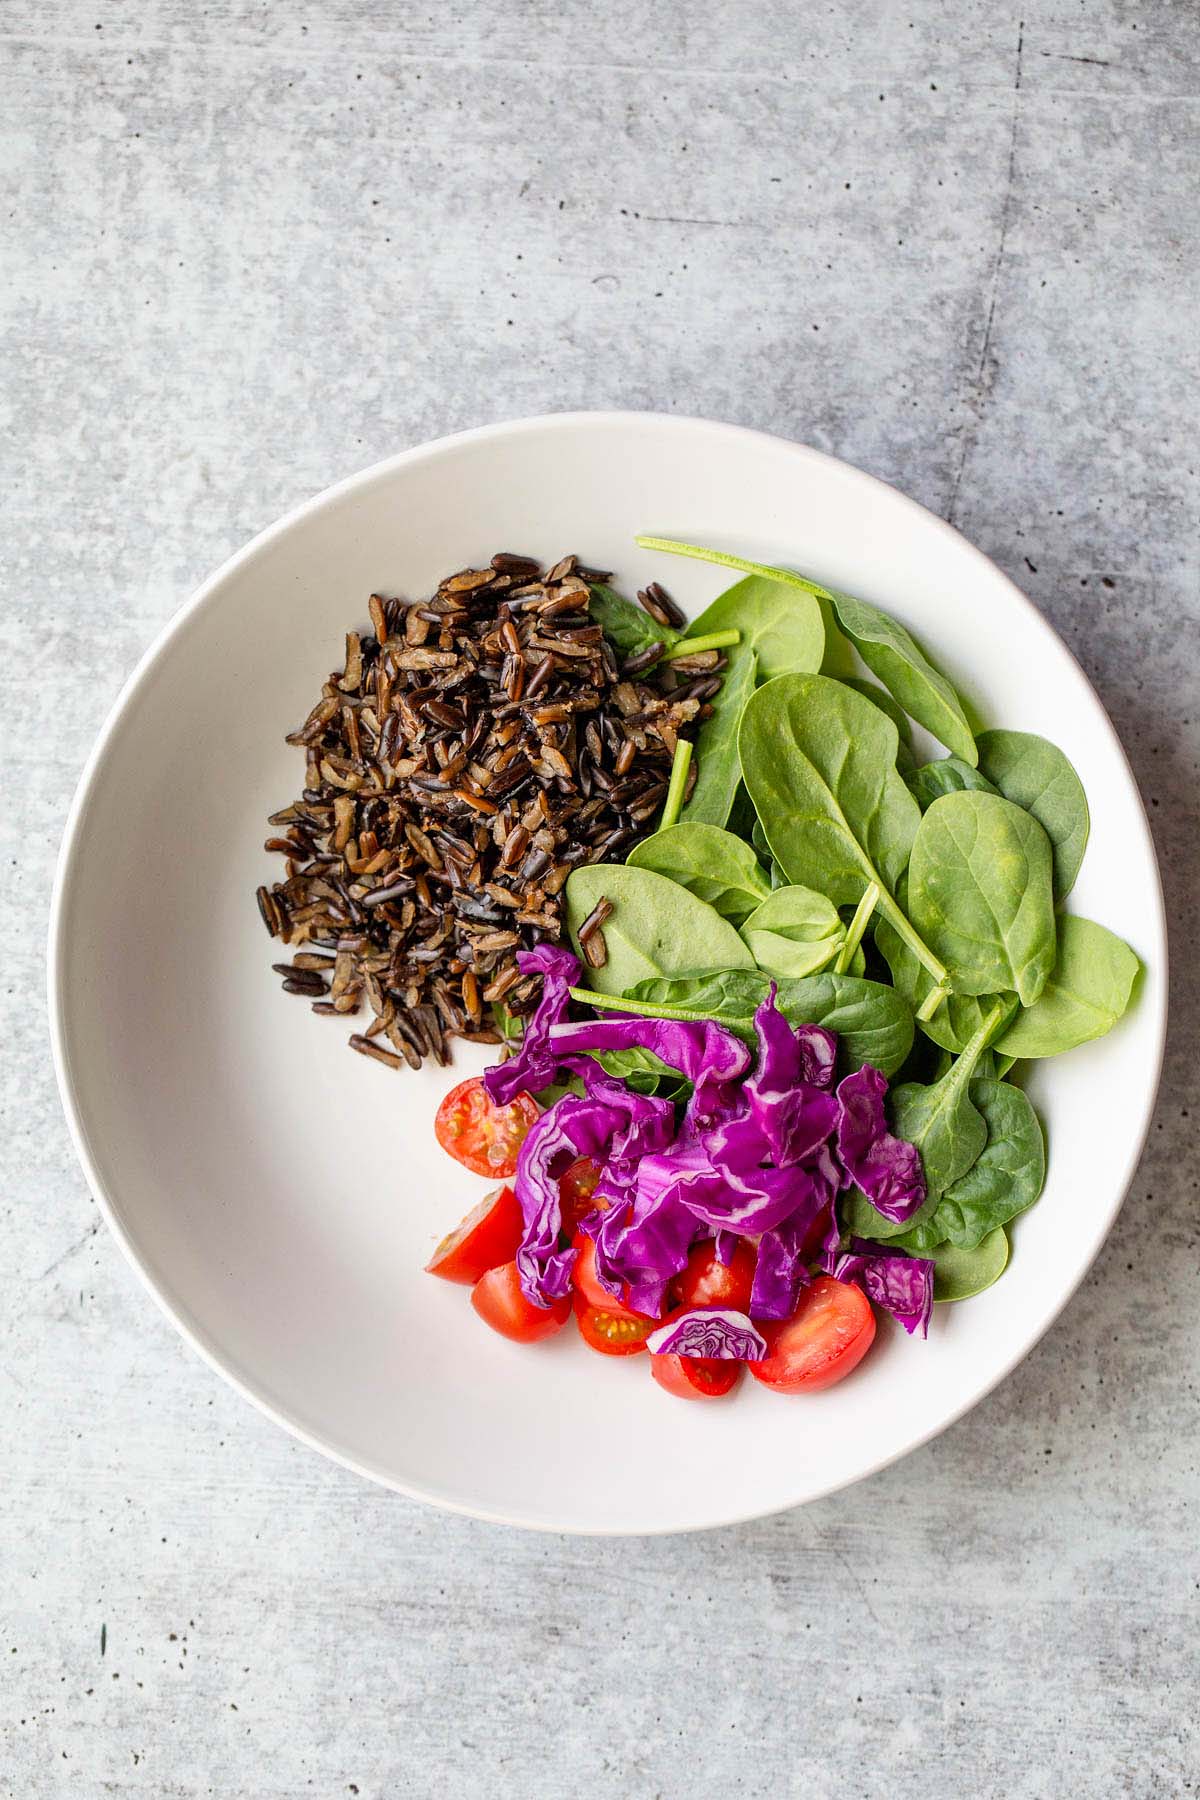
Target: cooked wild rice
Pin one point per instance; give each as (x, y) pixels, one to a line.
(473, 750)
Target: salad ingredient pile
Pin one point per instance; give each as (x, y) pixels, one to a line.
(780, 1081)
(700, 1224)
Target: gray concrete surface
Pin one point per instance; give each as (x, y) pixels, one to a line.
(246, 249)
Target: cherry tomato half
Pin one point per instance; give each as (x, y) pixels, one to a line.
(696, 1377)
(490, 1234)
(484, 1137)
(575, 1191)
(828, 1335)
(587, 1283)
(500, 1303)
(707, 1282)
(611, 1333)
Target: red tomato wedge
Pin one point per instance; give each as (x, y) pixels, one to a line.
(616, 1333)
(828, 1335)
(490, 1234)
(484, 1137)
(575, 1192)
(696, 1377)
(498, 1300)
(587, 1283)
(707, 1282)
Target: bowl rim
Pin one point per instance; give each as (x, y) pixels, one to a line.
(70, 849)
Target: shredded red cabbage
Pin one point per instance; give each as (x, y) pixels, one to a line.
(886, 1168)
(706, 1054)
(595, 1125)
(781, 1271)
(709, 1331)
(535, 1063)
(760, 1155)
(901, 1284)
(790, 1115)
(818, 1051)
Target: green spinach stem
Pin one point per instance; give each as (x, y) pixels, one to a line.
(932, 1001)
(711, 640)
(858, 924)
(917, 945)
(727, 561)
(646, 1009)
(673, 804)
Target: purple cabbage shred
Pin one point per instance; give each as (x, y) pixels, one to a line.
(711, 1331)
(886, 1168)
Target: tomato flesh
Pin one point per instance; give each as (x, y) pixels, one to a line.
(588, 1284)
(696, 1377)
(828, 1335)
(490, 1234)
(612, 1333)
(576, 1190)
(484, 1137)
(707, 1282)
(500, 1303)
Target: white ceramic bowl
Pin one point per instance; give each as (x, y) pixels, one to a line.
(279, 1195)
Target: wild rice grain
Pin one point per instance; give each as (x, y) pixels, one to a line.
(595, 919)
(365, 1047)
(595, 951)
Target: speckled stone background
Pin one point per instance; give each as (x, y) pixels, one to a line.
(249, 248)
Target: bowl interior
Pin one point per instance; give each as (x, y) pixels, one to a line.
(281, 1195)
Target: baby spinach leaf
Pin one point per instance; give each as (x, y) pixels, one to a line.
(819, 761)
(557, 1090)
(820, 764)
(880, 697)
(1008, 1174)
(980, 894)
(718, 770)
(870, 690)
(860, 1217)
(948, 775)
(884, 645)
(955, 1022)
(943, 1121)
(959, 1274)
(907, 673)
(1006, 1177)
(1087, 993)
(872, 1021)
(656, 927)
(630, 628)
(644, 1072)
(794, 932)
(781, 623)
(712, 864)
(1033, 773)
(838, 659)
